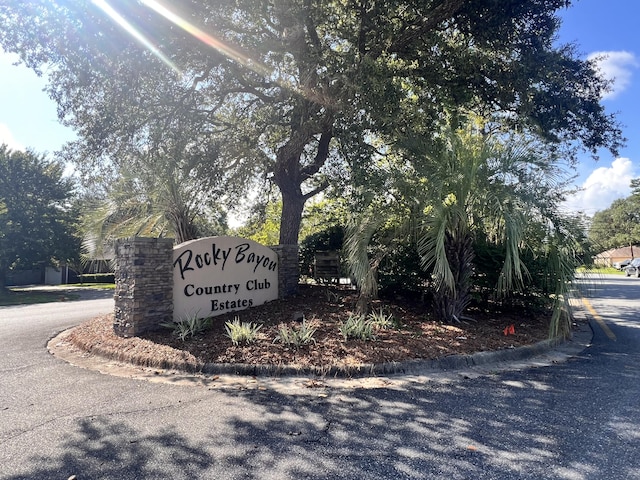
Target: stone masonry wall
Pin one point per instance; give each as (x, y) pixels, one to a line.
(288, 269)
(144, 285)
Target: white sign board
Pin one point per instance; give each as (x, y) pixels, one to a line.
(216, 275)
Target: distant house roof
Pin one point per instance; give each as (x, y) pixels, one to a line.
(623, 253)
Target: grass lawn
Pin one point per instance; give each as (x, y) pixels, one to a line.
(102, 286)
(28, 296)
(601, 271)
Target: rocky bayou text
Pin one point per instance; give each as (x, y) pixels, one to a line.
(216, 275)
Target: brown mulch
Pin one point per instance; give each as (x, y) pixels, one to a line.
(414, 335)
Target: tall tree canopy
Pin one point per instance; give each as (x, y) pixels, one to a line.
(37, 223)
(292, 89)
(618, 225)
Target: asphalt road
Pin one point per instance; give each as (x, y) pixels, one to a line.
(579, 419)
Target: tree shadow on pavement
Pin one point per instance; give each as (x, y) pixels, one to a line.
(102, 449)
(535, 425)
(578, 420)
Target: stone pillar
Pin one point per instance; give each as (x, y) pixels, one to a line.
(288, 269)
(144, 285)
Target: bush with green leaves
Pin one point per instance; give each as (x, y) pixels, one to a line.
(296, 337)
(242, 332)
(330, 239)
(382, 320)
(189, 327)
(357, 327)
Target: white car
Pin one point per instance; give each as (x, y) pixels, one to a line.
(633, 268)
(622, 264)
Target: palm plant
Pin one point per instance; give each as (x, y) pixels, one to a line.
(388, 218)
(481, 184)
(464, 183)
(168, 200)
(461, 187)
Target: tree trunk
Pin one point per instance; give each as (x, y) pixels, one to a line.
(289, 181)
(450, 304)
(291, 218)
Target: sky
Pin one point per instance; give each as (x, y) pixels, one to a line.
(608, 29)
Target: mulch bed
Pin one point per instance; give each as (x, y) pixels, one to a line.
(415, 335)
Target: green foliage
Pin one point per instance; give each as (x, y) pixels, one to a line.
(245, 332)
(357, 327)
(296, 337)
(38, 223)
(189, 327)
(327, 215)
(484, 209)
(382, 320)
(324, 87)
(618, 225)
(154, 196)
(400, 272)
(263, 225)
(97, 278)
(330, 239)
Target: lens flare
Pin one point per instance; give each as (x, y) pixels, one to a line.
(131, 30)
(207, 39)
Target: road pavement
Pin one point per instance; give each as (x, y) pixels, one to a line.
(577, 419)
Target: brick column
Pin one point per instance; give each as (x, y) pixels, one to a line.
(288, 269)
(144, 285)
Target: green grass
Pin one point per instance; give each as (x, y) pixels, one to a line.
(600, 271)
(102, 286)
(27, 296)
(16, 296)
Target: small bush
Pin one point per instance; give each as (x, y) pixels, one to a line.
(245, 332)
(189, 327)
(296, 337)
(97, 278)
(381, 320)
(357, 327)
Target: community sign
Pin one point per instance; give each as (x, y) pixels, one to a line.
(216, 275)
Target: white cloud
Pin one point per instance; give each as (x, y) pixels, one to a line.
(6, 137)
(602, 187)
(617, 67)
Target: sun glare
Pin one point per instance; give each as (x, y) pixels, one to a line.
(206, 38)
(131, 30)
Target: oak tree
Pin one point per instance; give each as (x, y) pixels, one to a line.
(37, 220)
(295, 90)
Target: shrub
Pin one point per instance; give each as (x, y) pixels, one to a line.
(330, 239)
(296, 337)
(97, 278)
(357, 327)
(189, 327)
(381, 320)
(245, 332)
(400, 272)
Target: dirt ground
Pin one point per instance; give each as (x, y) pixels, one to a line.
(413, 334)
